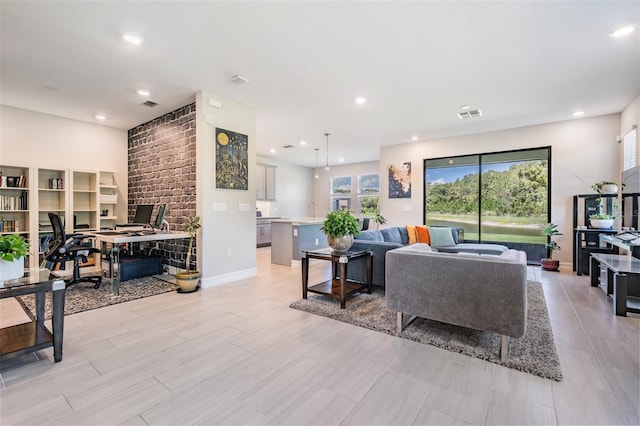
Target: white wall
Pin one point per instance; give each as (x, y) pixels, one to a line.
(583, 151)
(33, 139)
(293, 190)
(322, 185)
(231, 231)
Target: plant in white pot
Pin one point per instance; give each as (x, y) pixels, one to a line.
(340, 227)
(13, 249)
(549, 264)
(188, 280)
(602, 220)
(605, 187)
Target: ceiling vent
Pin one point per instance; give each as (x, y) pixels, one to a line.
(239, 79)
(287, 146)
(150, 104)
(470, 114)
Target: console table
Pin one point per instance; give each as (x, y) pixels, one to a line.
(617, 269)
(34, 336)
(338, 287)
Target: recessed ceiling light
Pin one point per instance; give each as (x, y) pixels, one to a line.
(622, 31)
(465, 107)
(360, 100)
(341, 160)
(100, 117)
(303, 143)
(578, 113)
(143, 92)
(132, 38)
(414, 138)
(272, 150)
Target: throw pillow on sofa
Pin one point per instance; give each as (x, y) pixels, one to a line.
(418, 234)
(441, 236)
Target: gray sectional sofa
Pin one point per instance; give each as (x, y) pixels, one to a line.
(486, 293)
(383, 240)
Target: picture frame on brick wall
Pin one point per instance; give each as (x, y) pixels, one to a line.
(232, 160)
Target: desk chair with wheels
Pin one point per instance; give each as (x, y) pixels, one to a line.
(64, 248)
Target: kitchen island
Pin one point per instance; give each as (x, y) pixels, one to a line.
(289, 236)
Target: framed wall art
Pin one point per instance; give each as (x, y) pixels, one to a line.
(232, 162)
(400, 180)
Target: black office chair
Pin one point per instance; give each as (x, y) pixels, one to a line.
(365, 223)
(63, 248)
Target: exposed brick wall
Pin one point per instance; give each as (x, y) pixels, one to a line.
(162, 169)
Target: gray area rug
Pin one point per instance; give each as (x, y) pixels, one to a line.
(83, 297)
(533, 353)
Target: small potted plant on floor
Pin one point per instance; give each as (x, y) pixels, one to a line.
(340, 227)
(13, 249)
(188, 280)
(549, 264)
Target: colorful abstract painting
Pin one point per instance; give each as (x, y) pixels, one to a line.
(232, 162)
(400, 180)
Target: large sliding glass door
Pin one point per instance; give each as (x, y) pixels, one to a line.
(496, 197)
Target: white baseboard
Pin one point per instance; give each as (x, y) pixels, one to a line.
(228, 278)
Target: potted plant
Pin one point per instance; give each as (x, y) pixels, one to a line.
(601, 220)
(188, 280)
(605, 187)
(340, 226)
(13, 249)
(549, 264)
(379, 220)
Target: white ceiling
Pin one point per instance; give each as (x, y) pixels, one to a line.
(521, 63)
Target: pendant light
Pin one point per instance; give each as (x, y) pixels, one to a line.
(327, 166)
(317, 176)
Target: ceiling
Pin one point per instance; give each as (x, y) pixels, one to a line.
(417, 63)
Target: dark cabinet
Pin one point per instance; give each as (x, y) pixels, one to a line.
(586, 240)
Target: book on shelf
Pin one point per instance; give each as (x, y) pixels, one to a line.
(12, 181)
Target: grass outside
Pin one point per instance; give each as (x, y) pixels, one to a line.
(508, 229)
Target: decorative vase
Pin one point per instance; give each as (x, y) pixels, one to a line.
(340, 244)
(601, 223)
(11, 270)
(188, 281)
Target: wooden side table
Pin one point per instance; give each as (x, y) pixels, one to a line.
(338, 287)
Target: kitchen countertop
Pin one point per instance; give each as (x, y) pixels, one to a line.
(300, 220)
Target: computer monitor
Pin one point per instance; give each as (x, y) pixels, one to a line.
(143, 214)
(159, 222)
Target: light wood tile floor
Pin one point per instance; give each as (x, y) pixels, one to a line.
(237, 354)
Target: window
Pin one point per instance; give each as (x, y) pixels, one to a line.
(502, 197)
(629, 149)
(368, 195)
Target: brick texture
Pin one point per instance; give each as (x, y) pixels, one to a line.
(162, 169)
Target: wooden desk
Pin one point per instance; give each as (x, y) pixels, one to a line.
(617, 271)
(115, 238)
(34, 336)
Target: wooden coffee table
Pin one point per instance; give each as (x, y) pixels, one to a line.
(338, 287)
